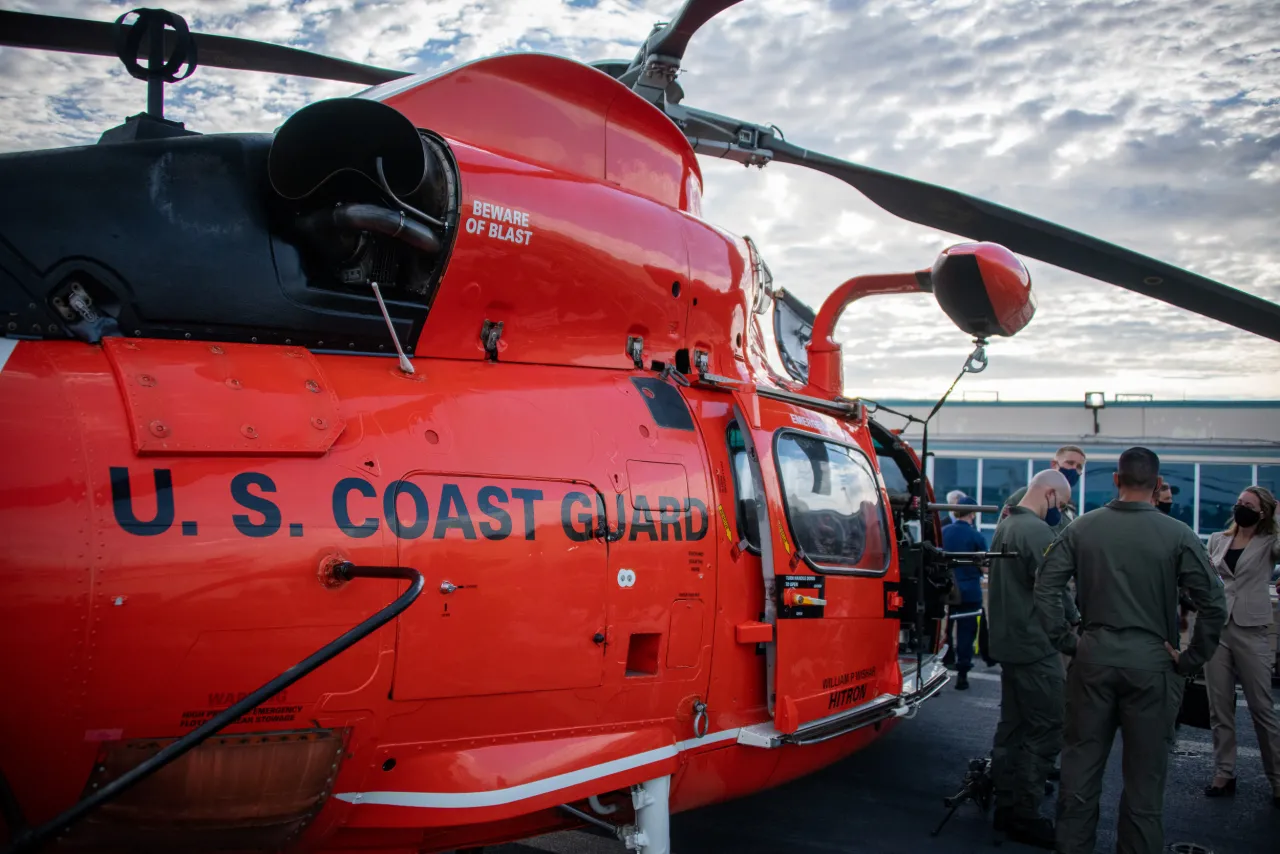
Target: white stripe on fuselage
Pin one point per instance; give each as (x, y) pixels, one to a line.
(7, 346)
(462, 800)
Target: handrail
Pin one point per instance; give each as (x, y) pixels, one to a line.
(826, 362)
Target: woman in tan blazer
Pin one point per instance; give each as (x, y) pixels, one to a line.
(1244, 556)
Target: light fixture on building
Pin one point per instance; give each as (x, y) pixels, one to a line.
(1093, 401)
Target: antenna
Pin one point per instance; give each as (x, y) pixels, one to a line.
(159, 70)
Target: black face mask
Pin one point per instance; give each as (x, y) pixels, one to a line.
(1246, 517)
(1165, 507)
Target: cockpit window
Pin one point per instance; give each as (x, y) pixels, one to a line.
(746, 491)
(833, 504)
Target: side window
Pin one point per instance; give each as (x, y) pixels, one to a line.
(833, 503)
(745, 489)
(894, 479)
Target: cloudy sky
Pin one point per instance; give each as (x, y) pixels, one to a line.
(1154, 124)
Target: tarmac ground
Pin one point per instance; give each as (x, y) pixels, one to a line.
(887, 798)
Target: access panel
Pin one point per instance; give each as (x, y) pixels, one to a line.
(515, 584)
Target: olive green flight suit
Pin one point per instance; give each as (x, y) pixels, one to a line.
(1068, 513)
(1032, 682)
(1129, 560)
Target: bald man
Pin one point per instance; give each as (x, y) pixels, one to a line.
(1032, 682)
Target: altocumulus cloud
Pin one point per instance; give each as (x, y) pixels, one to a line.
(1151, 123)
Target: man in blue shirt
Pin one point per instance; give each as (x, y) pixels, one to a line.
(962, 536)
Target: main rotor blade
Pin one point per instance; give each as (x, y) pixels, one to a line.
(673, 39)
(74, 35)
(957, 213)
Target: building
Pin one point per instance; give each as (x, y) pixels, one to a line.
(1209, 450)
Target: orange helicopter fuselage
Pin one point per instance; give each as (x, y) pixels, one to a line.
(169, 506)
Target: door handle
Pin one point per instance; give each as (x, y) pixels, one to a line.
(447, 587)
(792, 598)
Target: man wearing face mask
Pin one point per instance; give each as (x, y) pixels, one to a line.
(1029, 734)
(1129, 560)
(1070, 460)
(1164, 498)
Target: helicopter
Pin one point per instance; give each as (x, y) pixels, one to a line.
(415, 477)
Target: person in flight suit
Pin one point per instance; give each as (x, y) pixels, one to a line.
(961, 536)
(1070, 460)
(1029, 734)
(1129, 561)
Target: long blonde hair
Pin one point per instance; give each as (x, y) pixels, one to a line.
(1267, 524)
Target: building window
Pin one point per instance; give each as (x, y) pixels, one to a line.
(1269, 477)
(1000, 479)
(1181, 478)
(949, 474)
(1099, 485)
(833, 503)
(1219, 486)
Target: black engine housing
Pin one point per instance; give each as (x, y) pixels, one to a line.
(184, 237)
